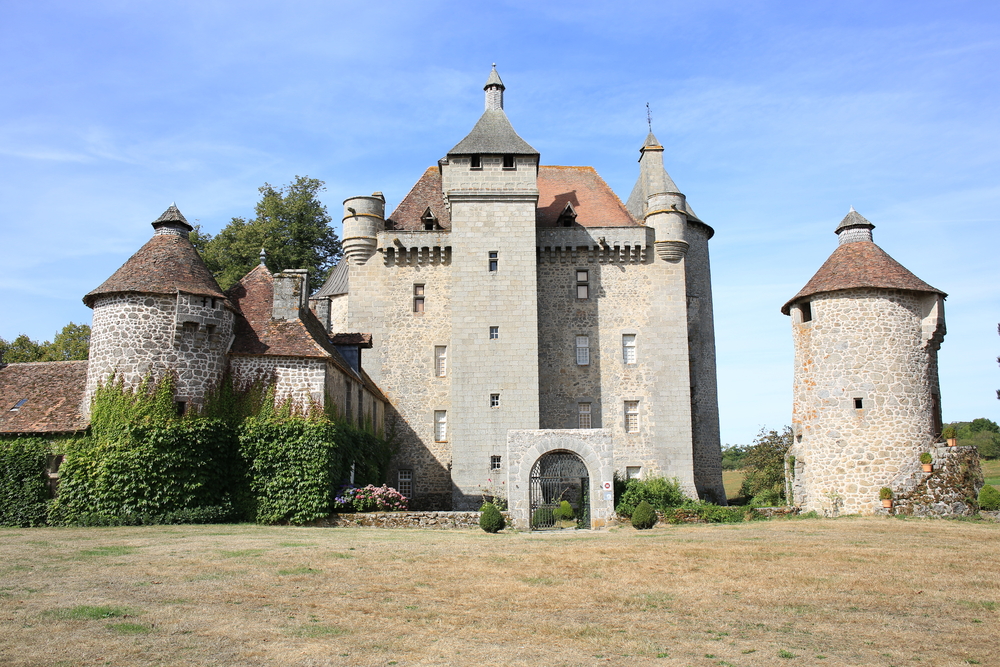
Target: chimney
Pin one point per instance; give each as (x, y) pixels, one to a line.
(290, 294)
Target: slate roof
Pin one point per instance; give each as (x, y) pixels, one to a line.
(337, 282)
(595, 203)
(54, 391)
(853, 219)
(172, 217)
(425, 193)
(167, 264)
(493, 135)
(494, 79)
(860, 264)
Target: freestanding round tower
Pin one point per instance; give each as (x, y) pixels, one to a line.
(866, 399)
(161, 312)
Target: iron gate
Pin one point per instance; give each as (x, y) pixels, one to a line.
(555, 477)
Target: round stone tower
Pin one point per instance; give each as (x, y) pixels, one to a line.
(866, 399)
(364, 218)
(161, 312)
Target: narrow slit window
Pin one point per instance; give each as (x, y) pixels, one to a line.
(494, 400)
(583, 284)
(494, 333)
(583, 415)
(406, 483)
(493, 260)
(440, 425)
(418, 298)
(628, 348)
(582, 350)
(631, 416)
(859, 404)
(440, 361)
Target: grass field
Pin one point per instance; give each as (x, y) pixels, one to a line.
(732, 480)
(850, 591)
(991, 471)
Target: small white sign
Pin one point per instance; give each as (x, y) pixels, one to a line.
(607, 486)
(609, 495)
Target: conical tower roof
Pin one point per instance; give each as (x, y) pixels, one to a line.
(167, 264)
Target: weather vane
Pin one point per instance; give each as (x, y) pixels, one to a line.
(649, 117)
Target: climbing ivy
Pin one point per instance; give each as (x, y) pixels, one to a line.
(23, 491)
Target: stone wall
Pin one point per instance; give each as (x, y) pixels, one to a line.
(301, 380)
(867, 345)
(442, 520)
(151, 334)
(951, 489)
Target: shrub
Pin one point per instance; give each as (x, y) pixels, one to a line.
(770, 498)
(644, 516)
(490, 518)
(564, 512)
(370, 498)
(926, 458)
(24, 495)
(989, 498)
(710, 513)
(948, 432)
(764, 463)
(659, 492)
(885, 493)
(542, 517)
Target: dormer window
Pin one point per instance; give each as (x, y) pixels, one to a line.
(568, 216)
(508, 162)
(429, 220)
(476, 162)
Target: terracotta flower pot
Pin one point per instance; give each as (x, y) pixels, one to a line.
(887, 503)
(928, 467)
(952, 442)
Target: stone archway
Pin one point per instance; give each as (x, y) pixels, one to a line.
(559, 476)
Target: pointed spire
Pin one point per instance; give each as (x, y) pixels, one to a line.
(172, 221)
(854, 227)
(494, 91)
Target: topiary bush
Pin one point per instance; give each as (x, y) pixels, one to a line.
(644, 516)
(490, 518)
(564, 512)
(989, 498)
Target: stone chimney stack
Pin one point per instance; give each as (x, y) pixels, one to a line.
(291, 294)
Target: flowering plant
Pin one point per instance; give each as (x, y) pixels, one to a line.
(496, 496)
(370, 499)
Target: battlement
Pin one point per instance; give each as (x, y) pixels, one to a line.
(604, 245)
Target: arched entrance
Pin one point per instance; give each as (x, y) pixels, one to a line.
(557, 476)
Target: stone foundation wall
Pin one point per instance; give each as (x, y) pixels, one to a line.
(443, 520)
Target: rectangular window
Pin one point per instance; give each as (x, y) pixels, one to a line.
(418, 298)
(859, 404)
(494, 463)
(440, 426)
(582, 350)
(476, 162)
(440, 360)
(631, 416)
(494, 333)
(494, 400)
(508, 161)
(494, 257)
(582, 284)
(406, 483)
(628, 348)
(807, 312)
(632, 472)
(583, 412)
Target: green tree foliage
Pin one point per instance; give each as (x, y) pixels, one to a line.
(292, 226)
(732, 457)
(70, 344)
(981, 433)
(764, 463)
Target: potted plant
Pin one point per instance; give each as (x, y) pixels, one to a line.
(885, 493)
(925, 461)
(949, 434)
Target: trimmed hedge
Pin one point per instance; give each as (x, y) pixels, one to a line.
(490, 518)
(644, 516)
(24, 495)
(989, 498)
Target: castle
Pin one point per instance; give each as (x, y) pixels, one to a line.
(526, 335)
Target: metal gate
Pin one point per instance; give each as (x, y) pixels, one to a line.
(555, 477)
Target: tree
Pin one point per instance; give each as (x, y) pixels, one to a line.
(764, 463)
(70, 344)
(292, 226)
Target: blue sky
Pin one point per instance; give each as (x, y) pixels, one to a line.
(776, 118)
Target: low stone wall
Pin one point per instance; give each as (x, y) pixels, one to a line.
(952, 489)
(444, 520)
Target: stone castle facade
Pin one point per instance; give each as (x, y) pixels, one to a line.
(511, 302)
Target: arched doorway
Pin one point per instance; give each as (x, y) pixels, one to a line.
(557, 476)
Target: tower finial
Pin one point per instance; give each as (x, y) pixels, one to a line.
(263, 255)
(649, 118)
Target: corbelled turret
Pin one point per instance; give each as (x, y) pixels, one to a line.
(364, 218)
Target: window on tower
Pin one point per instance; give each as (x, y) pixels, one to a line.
(418, 298)
(476, 162)
(582, 284)
(628, 348)
(508, 162)
(807, 312)
(582, 350)
(494, 259)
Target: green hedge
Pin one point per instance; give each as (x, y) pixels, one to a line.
(659, 492)
(24, 495)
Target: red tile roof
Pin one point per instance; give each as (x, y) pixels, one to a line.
(860, 264)
(53, 391)
(593, 201)
(167, 264)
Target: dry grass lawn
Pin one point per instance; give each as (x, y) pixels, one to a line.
(850, 591)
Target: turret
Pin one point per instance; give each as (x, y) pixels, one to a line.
(494, 91)
(364, 218)
(663, 206)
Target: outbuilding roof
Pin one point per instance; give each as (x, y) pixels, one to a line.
(167, 264)
(860, 264)
(42, 397)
